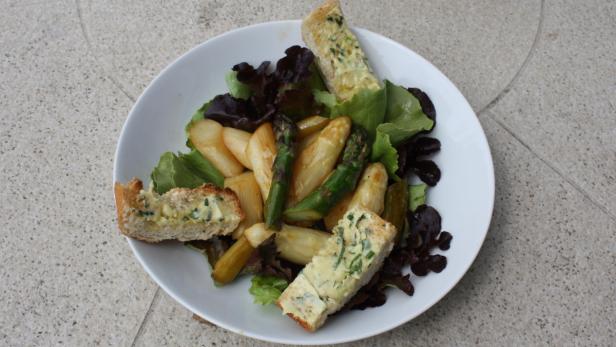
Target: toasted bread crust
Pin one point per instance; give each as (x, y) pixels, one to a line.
(299, 321)
(319, 14)
(126, 197)
(310, 24)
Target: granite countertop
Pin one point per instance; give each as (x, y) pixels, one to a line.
(541, 76)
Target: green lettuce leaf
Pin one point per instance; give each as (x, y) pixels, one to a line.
(184, 171)
(417, 195)
(267, 289)
(236, 88)
(171, 172)
(202, 167)
(403, 120)
(383, 151)
(366, 108)
(404, 117)
(325, 98)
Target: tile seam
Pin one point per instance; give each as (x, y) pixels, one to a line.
(574, 184)
(517, 75)
(146, 317)
(86, 37)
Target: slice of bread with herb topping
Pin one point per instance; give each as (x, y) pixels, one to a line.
(180, 214)
(348, 260)
(342, 62)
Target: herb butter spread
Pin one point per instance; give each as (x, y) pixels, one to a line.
(170, 209)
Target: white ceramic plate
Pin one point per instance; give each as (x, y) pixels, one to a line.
(464, 196)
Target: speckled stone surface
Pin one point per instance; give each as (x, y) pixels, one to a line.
(563, 105)
(66, 276)
(480, 45)
(542, 76)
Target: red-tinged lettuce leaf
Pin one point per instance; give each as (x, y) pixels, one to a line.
(370, 295)
(294, 67)
(236, 113)
(275, 266)
(262, 84)
(398, 281)
(266, 262)
(409, 160)
(426, 221)
(257, 94)
(298, 78)
(298, 103)
(257, 80)
(366, 299)
(424, 146)
(444, 240)
(253, 266)
(427, 171)
(424, 100)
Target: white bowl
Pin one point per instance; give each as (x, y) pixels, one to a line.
(464, 196)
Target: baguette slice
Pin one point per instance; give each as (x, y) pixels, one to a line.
(180, 214)
(346, 262)
(343, 64)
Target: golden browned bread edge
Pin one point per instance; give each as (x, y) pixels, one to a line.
(299, 321)
(319, 13)
(125, 197)
(311, 23)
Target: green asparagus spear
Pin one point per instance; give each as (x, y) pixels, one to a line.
(342, 181)
(282, 170)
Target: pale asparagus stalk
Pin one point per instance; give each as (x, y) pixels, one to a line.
(261, 152)
(247, 190)
(206, 136)
(317, 161)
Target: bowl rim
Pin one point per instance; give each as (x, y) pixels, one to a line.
(401, 319)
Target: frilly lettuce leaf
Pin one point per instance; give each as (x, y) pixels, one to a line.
(184, 171)
(267, 289)
(383, 151)
(366, 108)
(202, 167)
(404, 118)
(171, 172)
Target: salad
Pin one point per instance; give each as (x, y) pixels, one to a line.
(308, 144)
